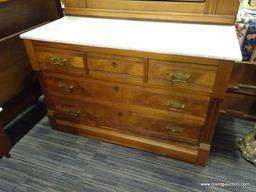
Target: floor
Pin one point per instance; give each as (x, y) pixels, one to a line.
(47, 160)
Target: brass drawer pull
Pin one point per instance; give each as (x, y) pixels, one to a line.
(176, 130)
(65, 87)
(73, 112)
(180, 77)
(60, 61)
(176, 106)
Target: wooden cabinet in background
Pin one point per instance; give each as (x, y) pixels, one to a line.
(19, 88)
(240, 105)
(203, 11)
(240, 100)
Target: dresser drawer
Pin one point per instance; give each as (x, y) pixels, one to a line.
(115, 67)
(174, 102)
(167, 129)
(117, 118)
(90, 113)
(60, 60)
(189, 76)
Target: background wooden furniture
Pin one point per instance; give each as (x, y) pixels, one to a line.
(5, 144)
(205, 11)
(240, 100)
(18, 86)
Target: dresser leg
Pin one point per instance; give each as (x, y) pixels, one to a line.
(203, 154)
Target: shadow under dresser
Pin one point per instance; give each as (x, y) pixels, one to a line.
(155, 86)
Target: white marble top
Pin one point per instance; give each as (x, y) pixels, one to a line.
(200, 40)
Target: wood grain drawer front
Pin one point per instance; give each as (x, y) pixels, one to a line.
(119, 119)
(189, 76)
(181, 103)
(167, 129)
(116, 67)
(61, 61)
(90, 113)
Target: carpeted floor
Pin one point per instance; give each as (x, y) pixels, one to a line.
(47, 160)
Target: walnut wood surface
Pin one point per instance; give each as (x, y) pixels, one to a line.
(94, 97)
(195, 105)
(123, 118)
(240, 100)
(201, 77)
(115, 66)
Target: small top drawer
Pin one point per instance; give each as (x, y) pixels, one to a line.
(189, 76)
(60, 60)
(117, 67)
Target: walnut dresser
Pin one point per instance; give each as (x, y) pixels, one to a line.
(155, 86)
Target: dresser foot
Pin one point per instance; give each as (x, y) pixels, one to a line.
(203, 155)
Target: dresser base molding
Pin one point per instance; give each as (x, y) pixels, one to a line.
(193, 154)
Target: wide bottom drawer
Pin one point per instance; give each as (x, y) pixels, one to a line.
(112, 116)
